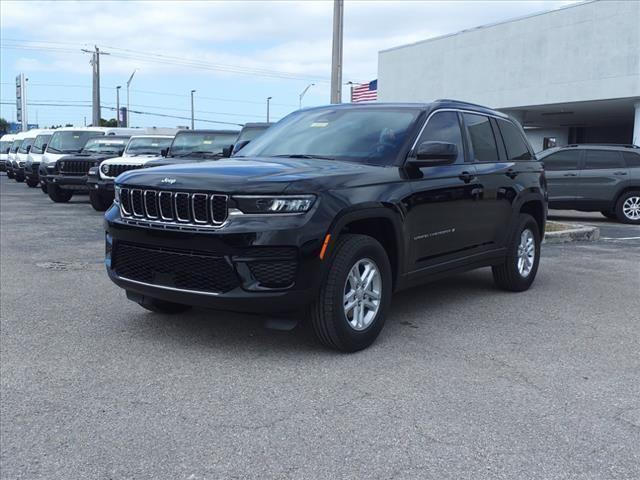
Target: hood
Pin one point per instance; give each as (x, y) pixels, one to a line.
(260, 175)
(93, 157)
(133, 160)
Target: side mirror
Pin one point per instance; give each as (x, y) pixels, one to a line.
(28, 148)
(226, 151)
(240, 145)
(164, 152)
(8, 150)
(431, 154)
(121, 152)
(44, 147)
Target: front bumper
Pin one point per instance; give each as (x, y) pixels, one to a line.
(3, 166)
(68, 182)
(31, 171)
(253, 263)
(96, 183)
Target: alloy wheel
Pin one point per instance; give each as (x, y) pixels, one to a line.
(631, 208)
(362, 294)
(526, 253)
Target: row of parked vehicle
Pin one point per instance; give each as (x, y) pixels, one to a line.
(322, 216)
(67, 161)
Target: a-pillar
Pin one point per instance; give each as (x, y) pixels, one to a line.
(636, 125)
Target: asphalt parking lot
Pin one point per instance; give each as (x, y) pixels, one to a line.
(465, 382)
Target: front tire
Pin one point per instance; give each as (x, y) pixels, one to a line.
(58, 195)
(628, 208)
(43, 187)
(99, 201)
(19, 178)
(162, 306)
(520, 266)
(10, 174)
(32, 183)
(349, 312)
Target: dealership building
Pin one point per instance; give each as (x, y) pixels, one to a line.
(571, 75)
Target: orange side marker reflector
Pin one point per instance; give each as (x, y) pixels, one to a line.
(324, 246)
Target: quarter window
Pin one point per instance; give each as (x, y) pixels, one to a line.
(482, 138)
(514, 142)
(631, 159)
(444, 127)
(563, 160)
(600, 159)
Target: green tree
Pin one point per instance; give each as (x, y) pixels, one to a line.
(4, 126)
(108, 123)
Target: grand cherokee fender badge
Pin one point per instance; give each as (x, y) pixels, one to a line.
(168, 181)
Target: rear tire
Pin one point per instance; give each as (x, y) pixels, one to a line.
(99, 201)
(32, 183)
(520, 266)
(628, 207)
(162, 306)
(349, 312)
(58, 195)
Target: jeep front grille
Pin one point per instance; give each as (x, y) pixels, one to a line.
(184, 208)
(114, 170)
(74, 167)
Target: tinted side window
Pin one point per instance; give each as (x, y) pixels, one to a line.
(631, 159)
(598, 159)
(482, 139)
(564, 160)
(515, 144)
(444, 127)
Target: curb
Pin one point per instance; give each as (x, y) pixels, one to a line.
(573, 233)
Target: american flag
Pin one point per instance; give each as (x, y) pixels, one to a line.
(365, 92)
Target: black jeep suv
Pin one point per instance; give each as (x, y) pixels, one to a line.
(330, 211)
(595, 178)
(71, 171)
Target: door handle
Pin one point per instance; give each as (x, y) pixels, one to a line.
(511, 173)
(619, 173)
(570, 175)
(466, 177)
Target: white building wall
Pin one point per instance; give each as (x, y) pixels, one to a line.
(580, 53)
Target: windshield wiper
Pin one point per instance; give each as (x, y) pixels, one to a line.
(302, 155)
(191, 154)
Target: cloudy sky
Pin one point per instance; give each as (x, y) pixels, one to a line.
(233, 53)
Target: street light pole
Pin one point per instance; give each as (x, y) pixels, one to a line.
(302, 94)
(350, 91)
(128, 85)
(118, 105)
(336, 57)
(192, 112)
(268, 100)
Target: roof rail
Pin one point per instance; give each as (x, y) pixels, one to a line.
(619, 145)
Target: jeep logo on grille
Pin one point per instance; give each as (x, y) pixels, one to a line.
(61, 165)
(168, 181)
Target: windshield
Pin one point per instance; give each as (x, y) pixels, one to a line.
(364, 135)
(25, 144)
(40, 142)
(70, 141)
(248, 134)
(147, 145)
(105, 145)
(4, 145)
(203, 144)
(16, 145)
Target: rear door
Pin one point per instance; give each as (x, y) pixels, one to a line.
(563, 177)
(601, 175)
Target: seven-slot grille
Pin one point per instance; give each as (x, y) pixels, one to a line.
(202, 209)
(75, 167)
(114, 170)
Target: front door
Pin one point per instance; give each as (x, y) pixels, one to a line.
(440, 210)
(563, 177)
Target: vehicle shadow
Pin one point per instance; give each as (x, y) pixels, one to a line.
(211, 329)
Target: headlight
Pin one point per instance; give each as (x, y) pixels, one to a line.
(105, 168)
(274, 204)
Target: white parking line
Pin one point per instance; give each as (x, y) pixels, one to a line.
(619, 238)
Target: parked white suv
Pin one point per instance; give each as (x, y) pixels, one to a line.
(5, 145)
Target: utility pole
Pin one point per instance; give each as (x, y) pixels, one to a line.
(302, 94)
(193, 125)
(118, 105)
(95, 63)
(128, 85)
(336, 57)
(268, 100)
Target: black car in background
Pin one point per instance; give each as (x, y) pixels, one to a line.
(190, 146)
(595, 178)
(330, 211)
(70, 173)
(249, 132)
